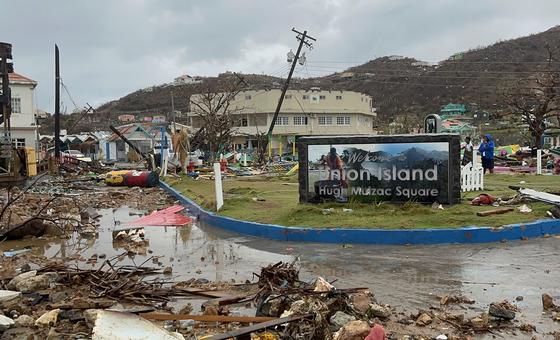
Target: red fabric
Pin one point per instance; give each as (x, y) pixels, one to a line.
(483, 199)
(165, 217)
(377, 333)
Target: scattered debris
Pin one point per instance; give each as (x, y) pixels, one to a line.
(423, 320)
(528, 328)
(111, 325)
(452, 299)
(340, 319)
(166, 217)
(354, 330)
(48, 319)
(483, 199)
(503, 310)
(548, 302)
(525, 209)
(494, 212)
(323, 286)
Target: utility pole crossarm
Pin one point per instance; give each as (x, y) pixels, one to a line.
(302, 37)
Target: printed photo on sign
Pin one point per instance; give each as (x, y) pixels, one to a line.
(397, 172)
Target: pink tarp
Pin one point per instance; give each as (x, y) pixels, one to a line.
(165, 217)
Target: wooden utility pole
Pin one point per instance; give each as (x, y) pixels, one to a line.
(6, 67)
(302, 37)
(173, 112)
(56, 104)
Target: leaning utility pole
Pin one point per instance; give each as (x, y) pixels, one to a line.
(302, 37)
(56, 104)
(173, 112)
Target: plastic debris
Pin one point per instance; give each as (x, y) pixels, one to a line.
(525, 209)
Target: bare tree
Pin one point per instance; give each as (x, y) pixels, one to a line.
(536, 100)
(216, 115)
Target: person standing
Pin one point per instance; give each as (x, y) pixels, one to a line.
(486, 150)
(468, 151)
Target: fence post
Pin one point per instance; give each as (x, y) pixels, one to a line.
(539, 162)
(218, 185)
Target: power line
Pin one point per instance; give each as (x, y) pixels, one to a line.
(68, 93)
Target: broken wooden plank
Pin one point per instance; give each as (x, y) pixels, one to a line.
(257, 327)
(228, 300)
(217, 294)
(494, 212)
(207, 318)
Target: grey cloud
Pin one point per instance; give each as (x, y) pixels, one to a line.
(110, 48)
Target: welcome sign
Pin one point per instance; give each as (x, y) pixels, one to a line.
(419, 168)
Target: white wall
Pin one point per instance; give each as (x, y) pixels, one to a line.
(27, 116)
(23, 124)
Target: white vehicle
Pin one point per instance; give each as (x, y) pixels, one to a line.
(73, 153)
(76, 154)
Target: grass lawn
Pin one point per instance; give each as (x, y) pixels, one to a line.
(281, 206)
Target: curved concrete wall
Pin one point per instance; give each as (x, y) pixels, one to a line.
(470, 234)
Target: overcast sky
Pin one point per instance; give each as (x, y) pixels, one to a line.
(113, 47)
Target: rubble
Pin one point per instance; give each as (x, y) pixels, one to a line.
(98, 296)
(24, 321)
(5, 323)
(503, 310)
(378, 311)
(340, 319)
(528, 328)
(354, 330)
(424, 319)
(35, 283)
(110, 325)
(9, 298)
(548, 302)
(452, 299)
(48, 319)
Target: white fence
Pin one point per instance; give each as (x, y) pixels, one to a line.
(472, 177)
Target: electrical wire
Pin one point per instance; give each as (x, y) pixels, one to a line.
(68, 93)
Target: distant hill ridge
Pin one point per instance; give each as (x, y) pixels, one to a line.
(399, 86)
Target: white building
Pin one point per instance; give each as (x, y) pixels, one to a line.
(186, 80)
(304, 112)
(23, 122)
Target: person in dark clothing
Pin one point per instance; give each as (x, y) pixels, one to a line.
(486, 150)
(468, 151)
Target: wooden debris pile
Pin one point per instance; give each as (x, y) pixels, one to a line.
(123, 283)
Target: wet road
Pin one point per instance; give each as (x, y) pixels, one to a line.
(407, 276)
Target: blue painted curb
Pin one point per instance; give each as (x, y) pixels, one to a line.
(470, 234)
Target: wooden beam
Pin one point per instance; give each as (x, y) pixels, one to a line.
(256, 327)
(494, 212)
(207, 318)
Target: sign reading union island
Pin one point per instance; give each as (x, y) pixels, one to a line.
(417, 168)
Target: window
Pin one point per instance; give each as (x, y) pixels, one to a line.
(325, 120)
(338, 97)
(281, 120)
(248, 97)
(322, 97)
(16, 105)
(305, 96)
(342, 120)
(300, 120)
(288, 96)
(18, 142)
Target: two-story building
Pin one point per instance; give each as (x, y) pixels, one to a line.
(303, 112)
(23, 122)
